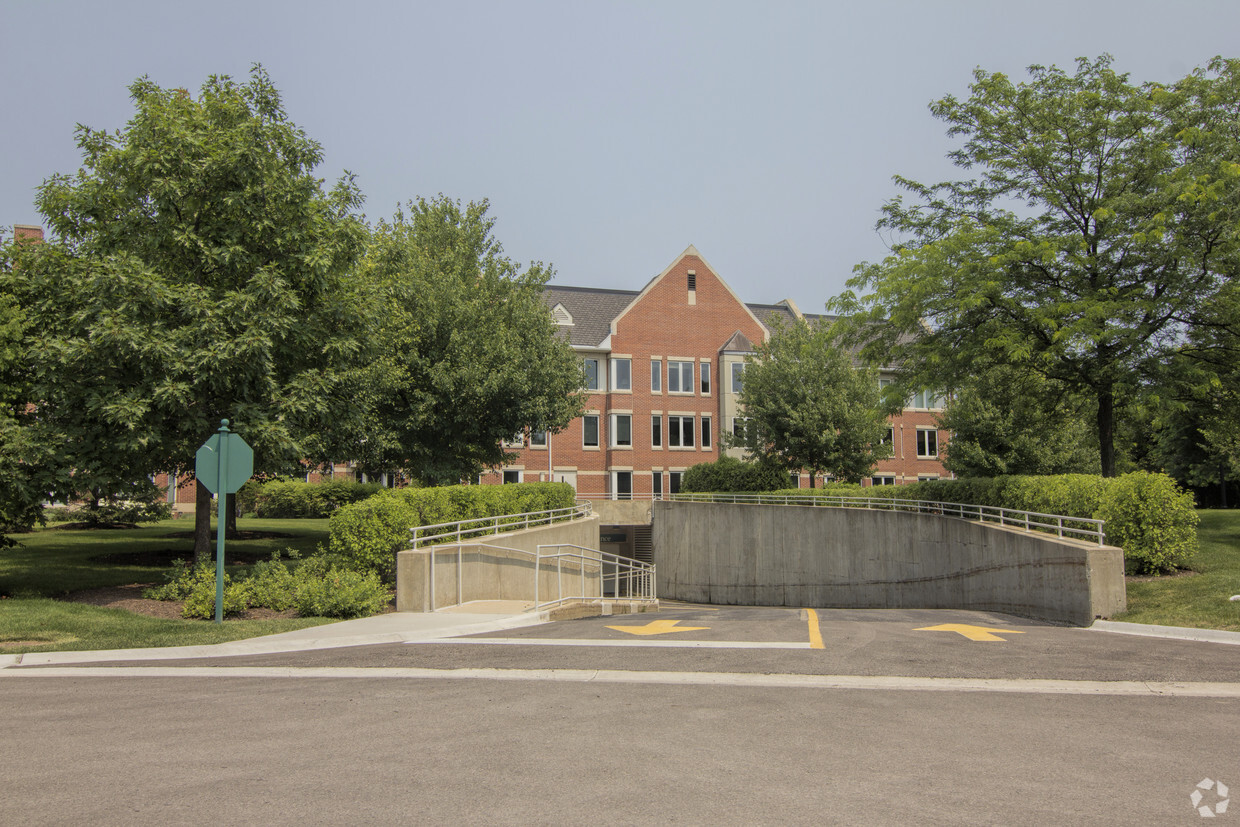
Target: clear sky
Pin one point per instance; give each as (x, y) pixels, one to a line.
(608, 136)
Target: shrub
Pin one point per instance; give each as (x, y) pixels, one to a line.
(298, 499)
(339, 592)
(181, 578)
(270, 584)
(1152, 519)
(200, 602)
(732, 475)
(368, 534)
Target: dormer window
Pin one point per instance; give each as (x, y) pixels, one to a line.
(562, 316)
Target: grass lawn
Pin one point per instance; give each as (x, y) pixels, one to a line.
(1200, 599)
(53, 561)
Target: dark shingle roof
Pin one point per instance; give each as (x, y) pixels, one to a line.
(592, 309)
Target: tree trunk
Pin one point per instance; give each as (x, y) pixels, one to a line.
(1106, 429)
(202, 523)
(230, 521)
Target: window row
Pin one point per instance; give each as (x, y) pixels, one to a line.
(680, 376)
(679, 431)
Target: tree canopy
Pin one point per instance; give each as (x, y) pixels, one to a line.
(1004, 421)
(466, 353)
(198, 271)
(1097, 221)
(809, 408)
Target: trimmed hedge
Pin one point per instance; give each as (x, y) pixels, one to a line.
(732, 475)
(370, 533)
(299, 499)
(1147, 515)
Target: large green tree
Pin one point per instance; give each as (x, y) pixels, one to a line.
(807, 407)
(467, 353)
(1074, 248)
(198, 270)
(1006, 421)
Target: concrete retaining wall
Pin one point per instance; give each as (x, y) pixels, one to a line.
(855, 558)
(488, 573)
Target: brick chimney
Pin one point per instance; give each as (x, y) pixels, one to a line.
(27, 232)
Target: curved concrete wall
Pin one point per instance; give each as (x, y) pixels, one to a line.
(855, 558)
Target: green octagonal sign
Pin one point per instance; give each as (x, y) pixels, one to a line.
(225, 454)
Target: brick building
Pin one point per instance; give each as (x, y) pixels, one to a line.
(664, 366)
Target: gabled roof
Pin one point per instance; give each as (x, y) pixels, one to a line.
(689, 251)
(739, 343)
(592, 310)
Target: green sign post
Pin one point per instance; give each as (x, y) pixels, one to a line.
(223, 464)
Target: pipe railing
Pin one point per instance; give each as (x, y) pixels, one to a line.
(1081, 527)
(631, 580)
(484, 526)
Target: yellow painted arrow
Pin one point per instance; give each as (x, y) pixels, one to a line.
(657, 627)
(971, 632)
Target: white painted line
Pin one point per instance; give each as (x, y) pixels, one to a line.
(734, 679)
(1169, 632)
(667, 644)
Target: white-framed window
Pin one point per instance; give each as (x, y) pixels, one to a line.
(680, 431)
(622, 374)
(656, 375)
(622, 485)
(673, 479)
(882, 480)
(511, 476)
(591, 368)
(538, 439)
(704, 369)
(889, 437)
(705, 431)
(656, 430)
(927, 400)
(589, 431)
(679, 377)
(927, 443)
(739, 425)
(738, 372)
(622, 430)
(656, 484)
(927, 477)
(517, 441)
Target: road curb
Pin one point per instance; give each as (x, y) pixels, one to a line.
(1169, 632)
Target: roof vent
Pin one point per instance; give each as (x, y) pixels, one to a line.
(692, 280)
(562, 316)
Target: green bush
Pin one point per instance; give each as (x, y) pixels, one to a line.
(200, 603)
(1152, 519)
(332, 591)
(732, 475)
(319, 586)
(368, 534)
(296, 499)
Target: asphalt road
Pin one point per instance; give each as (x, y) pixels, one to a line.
(884, 724)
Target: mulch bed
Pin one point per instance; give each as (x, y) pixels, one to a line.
(130, 599)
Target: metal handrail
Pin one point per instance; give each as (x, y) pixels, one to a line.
(638, 578)
(1059, 524)
(483, 526)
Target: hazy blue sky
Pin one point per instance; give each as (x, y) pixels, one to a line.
(608, 136)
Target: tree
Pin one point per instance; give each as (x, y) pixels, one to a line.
(1004, 421)
(1073, 252)
(808, 407)
(467, 353)
(198, 271)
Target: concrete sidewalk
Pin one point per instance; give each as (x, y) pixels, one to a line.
(394, 627)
